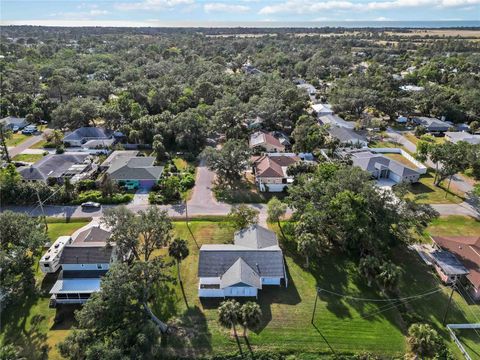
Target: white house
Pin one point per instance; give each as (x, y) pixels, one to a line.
(242, 269)
(83, 259)
(322, 109)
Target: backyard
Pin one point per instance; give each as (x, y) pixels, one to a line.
(341, 324)
(454, 226)
(425, 192)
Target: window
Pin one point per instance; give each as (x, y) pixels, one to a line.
(99, 266)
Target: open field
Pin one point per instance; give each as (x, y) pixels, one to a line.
(426, 192)
(438, 32)
(454, 226)
(31, 158)
(16, 139)
(341, 324)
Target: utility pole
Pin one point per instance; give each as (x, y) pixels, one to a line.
(43, 211)
(315, 305)
(449, 302)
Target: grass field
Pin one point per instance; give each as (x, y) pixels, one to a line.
(454, 226)
(16, 139)
(39, 145)
(31, 158)
(415, 140)
(344, 325)
(426, 192)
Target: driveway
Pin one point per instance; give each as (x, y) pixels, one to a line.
(14, 151)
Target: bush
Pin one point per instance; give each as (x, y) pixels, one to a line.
(187, 182)
(49, 145)
(96, 196)
(83, 185)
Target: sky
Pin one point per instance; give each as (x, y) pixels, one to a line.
(233, 12)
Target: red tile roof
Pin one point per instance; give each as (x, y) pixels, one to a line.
(467, 250)
(271, 166)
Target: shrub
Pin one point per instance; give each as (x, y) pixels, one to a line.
(187, 182)
(83, 185)
(96, 196)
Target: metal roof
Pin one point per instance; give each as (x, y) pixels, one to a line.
(448, 262)
(79, 286)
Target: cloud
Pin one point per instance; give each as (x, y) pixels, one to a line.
(310, 6)
(80, 15)
(152, 4)
(222, 7)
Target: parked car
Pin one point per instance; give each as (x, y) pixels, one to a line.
(29, 130)
(15, 128)
(43, 122)
(90, 205)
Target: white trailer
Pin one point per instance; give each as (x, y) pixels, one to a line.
(50, 261)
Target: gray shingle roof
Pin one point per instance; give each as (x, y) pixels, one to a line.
(346, 135)
(240, 273)
(134, 168)
(371, 162)
(215, 263)
(335, 120)
(53, 165)
(11, 121)
(255, 237)
(88, 133)
(86, 255)
(432, 124)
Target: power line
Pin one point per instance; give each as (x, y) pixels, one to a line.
(432, 291)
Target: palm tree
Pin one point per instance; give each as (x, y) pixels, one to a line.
(389, 275)
(275, 210)
(57, 137)
(178, 249)
(229, 314)
(369, 266)
(251, 315)
(423, 339)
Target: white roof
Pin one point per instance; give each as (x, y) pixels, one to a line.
(322, 108)
(463, 136)
(81, 286)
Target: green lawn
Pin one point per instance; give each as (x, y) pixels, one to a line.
(426, 192)
(39, 145)
(454, 226)
(32, 158)
(415, 140)
(16, 139)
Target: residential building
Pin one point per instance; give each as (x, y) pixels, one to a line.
(91, 137)
(270, 170)
(381, 167)
(467, 251)
(83, 259)
(58, 167)
(267, 141)
(432, 125)
(336, 121)
(135, 171)
(14, 123)
(240, 270)
(117, 154)
(347, 137)
(455, 137)
(322, 109)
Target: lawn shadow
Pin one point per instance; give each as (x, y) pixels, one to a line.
(166, 306)
(190, 336)
(32, 341)
(65, 317)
